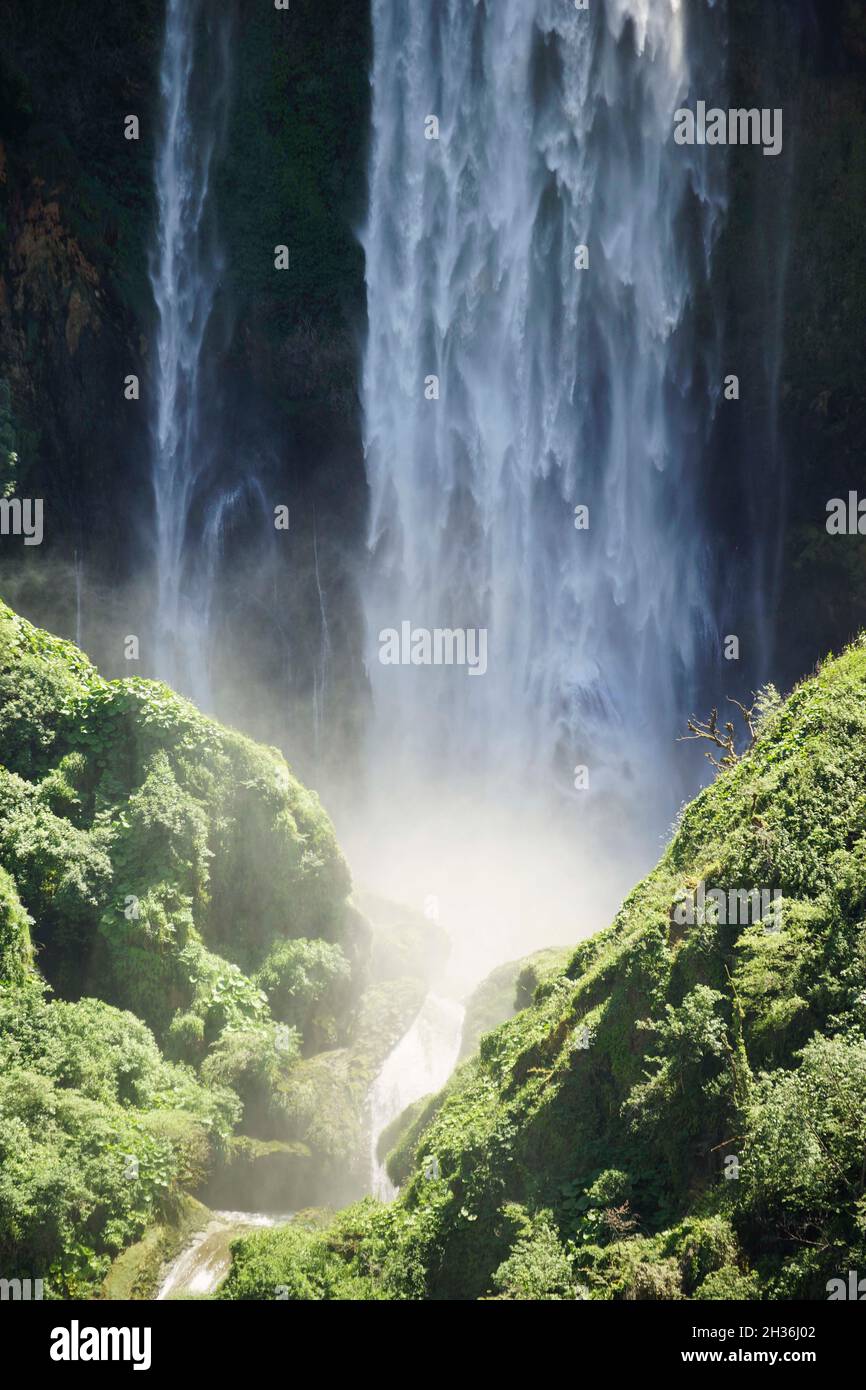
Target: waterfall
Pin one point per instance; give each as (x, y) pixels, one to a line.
(558, 387)
(185, 268)
(418, 1066)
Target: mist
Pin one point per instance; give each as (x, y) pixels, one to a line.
(446, 477)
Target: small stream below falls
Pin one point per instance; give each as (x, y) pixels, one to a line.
(420, 1064)
(204, 1263)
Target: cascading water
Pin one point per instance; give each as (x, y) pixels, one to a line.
(419, 1065)
(555, 387)
(228, 597)
(186, 264)
(205, 1261)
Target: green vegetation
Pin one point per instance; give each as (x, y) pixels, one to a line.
(176, 948)
(307, 984)
(162, 857)
(505, 991)
(98, 1136)
(680, 1111)
(189, 1003)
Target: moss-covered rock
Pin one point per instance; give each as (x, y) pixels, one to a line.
(506, 990)
(403, 943)
(161, 856)
(151, 862)
(264, 1175)
(324, 1099)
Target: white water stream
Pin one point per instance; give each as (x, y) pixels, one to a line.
(418, 1066)
(203, 1264)
(186, 265)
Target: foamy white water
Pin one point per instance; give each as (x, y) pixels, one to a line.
(557, 386)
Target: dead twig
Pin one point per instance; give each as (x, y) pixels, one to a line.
(725, 739)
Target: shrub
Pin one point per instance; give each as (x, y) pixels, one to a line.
(538, 1266)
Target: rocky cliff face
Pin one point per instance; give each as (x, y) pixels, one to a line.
(75, 207)
(823, 399)
(77, 313)
(791, 285)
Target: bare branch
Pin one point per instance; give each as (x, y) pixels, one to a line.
(748, 717)
(725, 739)
(710, 730)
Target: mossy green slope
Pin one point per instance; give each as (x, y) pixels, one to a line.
(161, 856)
(183, 897)
(505, 991)
(221, 1006)
(680, 1112)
